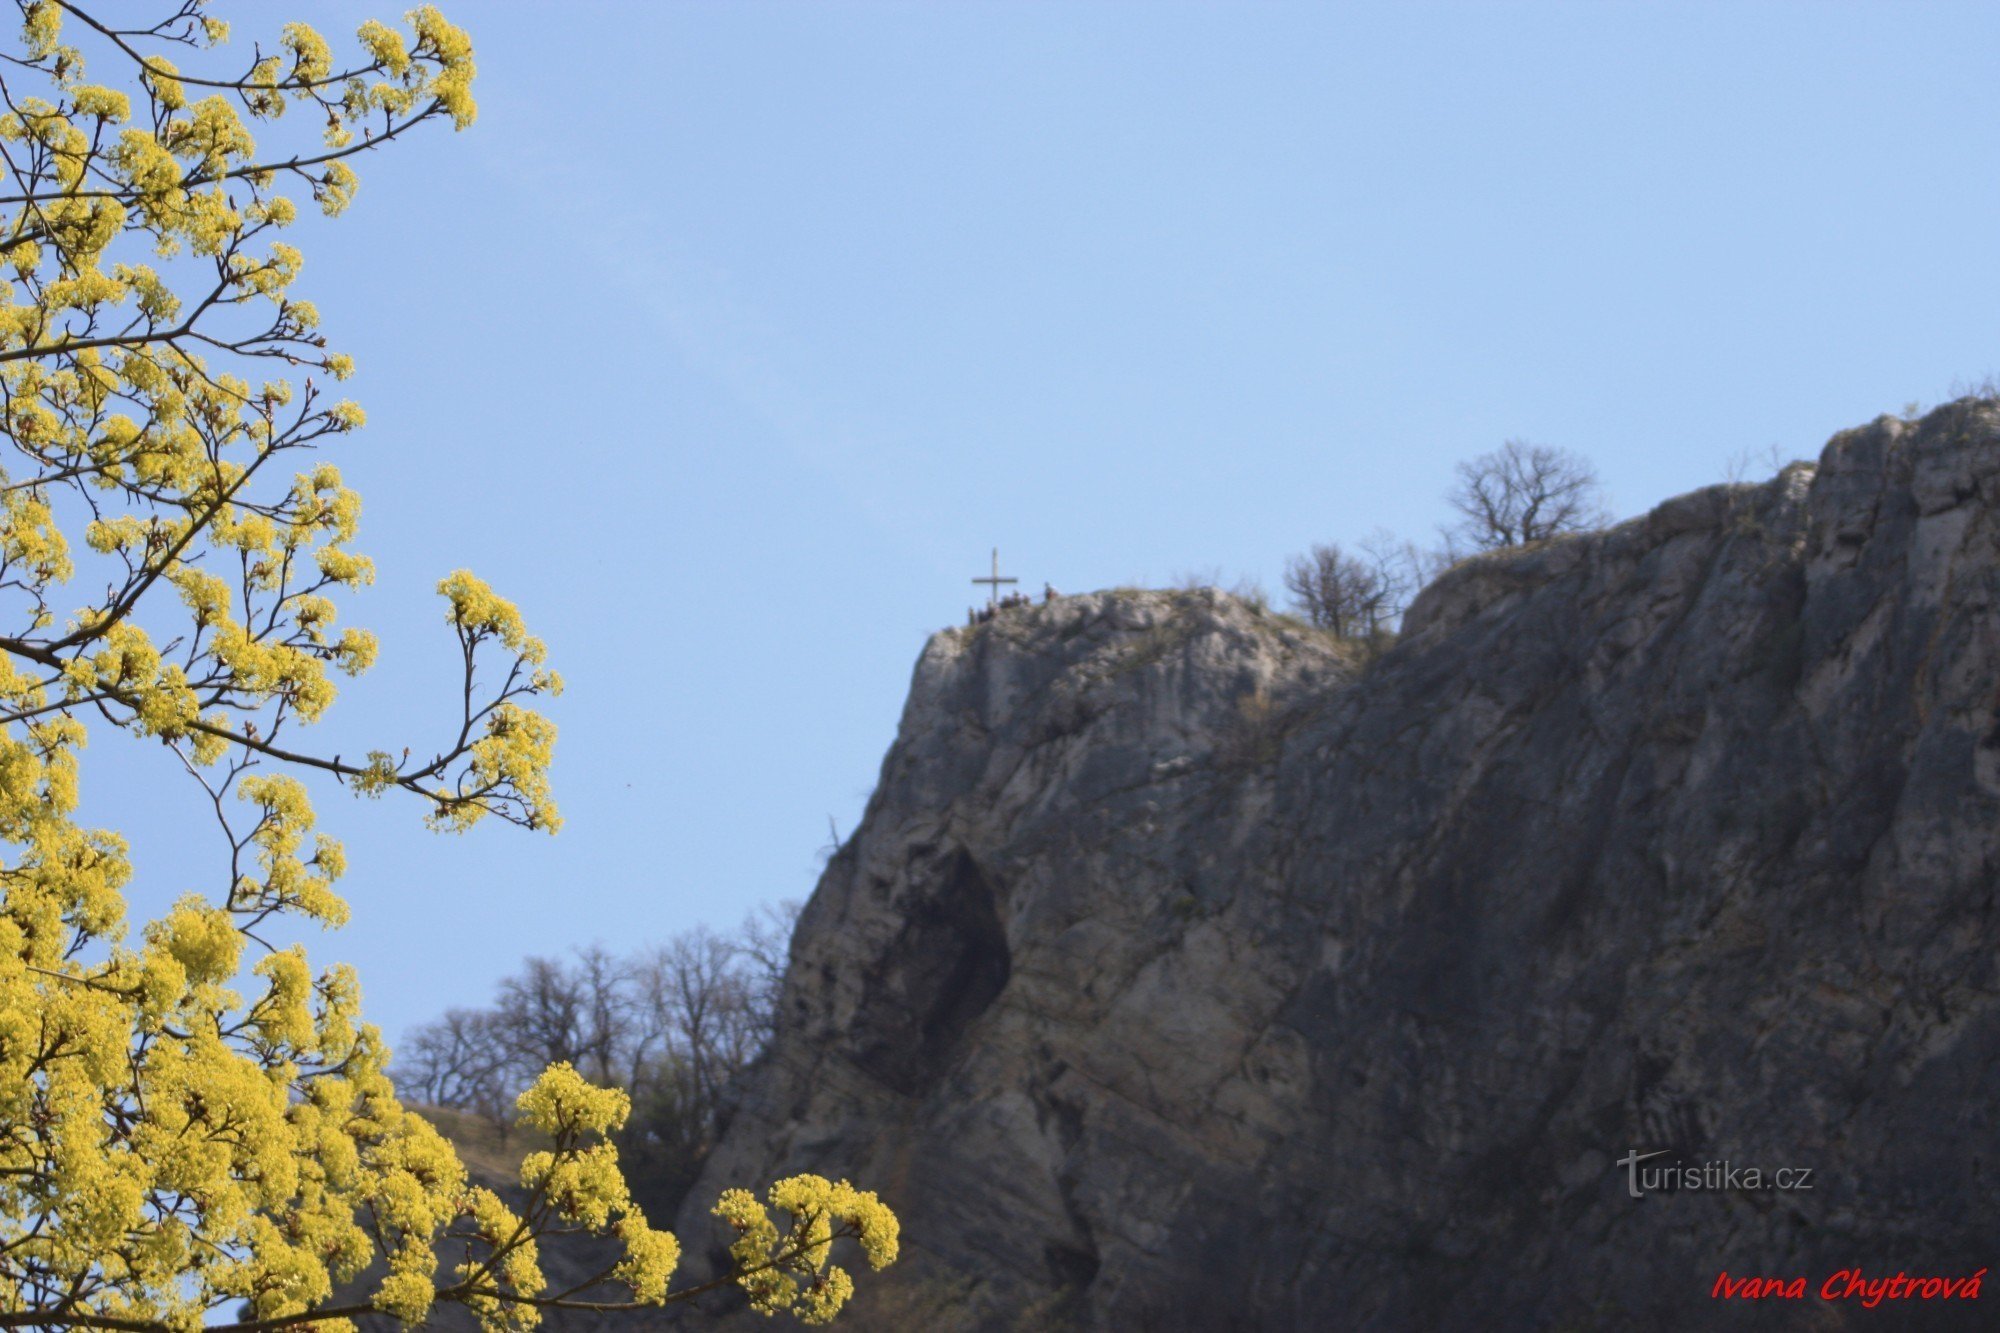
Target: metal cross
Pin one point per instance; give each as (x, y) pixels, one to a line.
(993, 592)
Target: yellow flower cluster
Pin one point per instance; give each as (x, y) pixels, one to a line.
(562, 1103)
(789, 1270)
(650, 1259)
(478, 613)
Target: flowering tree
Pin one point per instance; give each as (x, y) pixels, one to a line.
(174, 1150)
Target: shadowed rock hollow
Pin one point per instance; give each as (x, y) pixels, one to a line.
(1184, 973)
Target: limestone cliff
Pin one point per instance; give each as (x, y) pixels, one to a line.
(1188, 972)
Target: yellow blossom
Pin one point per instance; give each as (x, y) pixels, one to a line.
(195, 1125)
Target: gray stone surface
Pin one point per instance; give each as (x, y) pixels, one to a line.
(1187, 972)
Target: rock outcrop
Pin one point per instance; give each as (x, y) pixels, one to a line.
(1189, 972)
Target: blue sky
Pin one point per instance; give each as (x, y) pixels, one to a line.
(732, 336)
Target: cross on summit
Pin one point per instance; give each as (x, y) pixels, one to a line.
(995, 580)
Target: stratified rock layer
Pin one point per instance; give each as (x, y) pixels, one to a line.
(1188, 973)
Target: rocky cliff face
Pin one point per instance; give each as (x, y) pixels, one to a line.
(1188, 973)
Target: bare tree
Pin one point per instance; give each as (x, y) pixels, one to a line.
(708, 1004)
(692, 994)
(1401, 569)
(608, 1029)
(1522, 493)
(458, 1061)
(674, 1025)
(763, 944)
(540, 1015)
(1337, 591)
